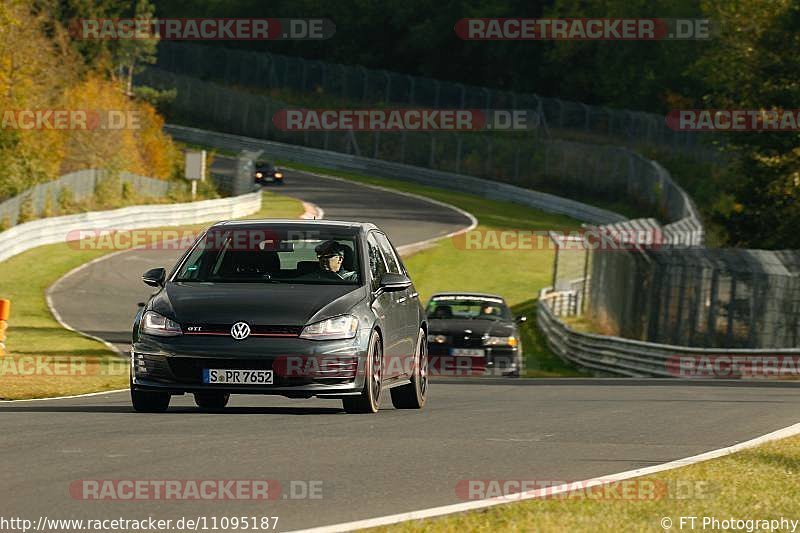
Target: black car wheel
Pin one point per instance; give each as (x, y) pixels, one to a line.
(211, 400)
(369, 400)
(413, 395)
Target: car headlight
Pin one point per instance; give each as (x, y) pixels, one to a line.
(500, 341)
(155, 324)
(438, 339)
(259, 174)
(338, 327)
(278, 175)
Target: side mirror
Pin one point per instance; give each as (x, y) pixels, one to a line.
(521, 319)
(155, 277)
(391, 282)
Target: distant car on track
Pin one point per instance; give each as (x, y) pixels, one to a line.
(473, 334)
(294, 308)
(265, 172)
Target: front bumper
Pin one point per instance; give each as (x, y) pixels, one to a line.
(497, 361)
(301, 368)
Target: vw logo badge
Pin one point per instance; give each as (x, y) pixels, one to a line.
(240, 331)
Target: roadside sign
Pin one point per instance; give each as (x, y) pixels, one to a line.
(196, 165)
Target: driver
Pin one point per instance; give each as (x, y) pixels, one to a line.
(331, 257)
(489, 310)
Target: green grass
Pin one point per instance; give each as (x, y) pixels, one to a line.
(33, 332)
(517, 275)
(759, 483)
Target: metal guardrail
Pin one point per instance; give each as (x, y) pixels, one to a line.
(79, 185)
(607, 355)
(435, 178)
(63, 229)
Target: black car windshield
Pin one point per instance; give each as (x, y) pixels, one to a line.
(468, 307)
(269, 255)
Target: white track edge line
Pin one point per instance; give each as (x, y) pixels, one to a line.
(432, 512)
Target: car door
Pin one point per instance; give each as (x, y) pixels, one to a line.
(405, 306)
(383, 305)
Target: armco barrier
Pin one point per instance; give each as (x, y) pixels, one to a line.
(615, 356)
(57, 229)
(350, 163)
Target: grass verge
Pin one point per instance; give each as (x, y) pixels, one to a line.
(34, 336)
(517, 275)
(755, 484)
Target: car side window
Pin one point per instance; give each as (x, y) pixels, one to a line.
(392, 263)
(376, 264)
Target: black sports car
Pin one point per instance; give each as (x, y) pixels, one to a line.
(266, 172)
(473, 334)
(295, 308)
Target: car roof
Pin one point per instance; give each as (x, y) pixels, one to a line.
(469, 294)
(272, 222)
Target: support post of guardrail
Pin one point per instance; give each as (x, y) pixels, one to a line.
(5, 312)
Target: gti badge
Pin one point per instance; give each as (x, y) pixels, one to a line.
(240, 331)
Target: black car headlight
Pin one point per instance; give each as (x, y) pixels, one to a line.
(259, 174)
(338, 327)
(155, 324)
(438, 339)
(500, 341)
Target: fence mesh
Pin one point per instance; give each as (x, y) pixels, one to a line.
(78, 186)
(719, 298)
(333, 84)
(581, 171)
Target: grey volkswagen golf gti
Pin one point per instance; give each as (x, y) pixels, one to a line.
(294, 308)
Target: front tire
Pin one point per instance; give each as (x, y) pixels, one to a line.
(369, 401)
(149, 401)
(211, 401)
(413, 395)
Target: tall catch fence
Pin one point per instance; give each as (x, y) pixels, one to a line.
(567, 168)
(717, 298)
(347, 85)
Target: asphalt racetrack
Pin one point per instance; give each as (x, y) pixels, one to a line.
(355, 466)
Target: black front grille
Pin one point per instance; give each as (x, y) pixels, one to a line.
(256, 330)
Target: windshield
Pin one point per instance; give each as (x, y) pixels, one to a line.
(460, 307)
(272, 256)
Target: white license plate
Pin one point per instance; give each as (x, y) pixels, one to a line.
(467, 352)
(227, 376)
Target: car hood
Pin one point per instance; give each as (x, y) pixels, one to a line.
(449, 326)
(267, 304)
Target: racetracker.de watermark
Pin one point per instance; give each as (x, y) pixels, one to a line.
(734, 120)
(406, 119)
(632, 490)
(347, 367)
(582, 29)
(70, 119)
(606, 239)
(194, 489)
(734, 366)
(237, 240)
(203, 29)
(22, 366)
